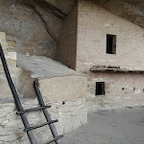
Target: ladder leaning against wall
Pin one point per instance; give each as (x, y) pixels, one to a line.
(23, 112)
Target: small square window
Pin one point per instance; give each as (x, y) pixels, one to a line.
(100, 88)
(111, 44)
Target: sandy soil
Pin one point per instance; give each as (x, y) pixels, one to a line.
(124, 126)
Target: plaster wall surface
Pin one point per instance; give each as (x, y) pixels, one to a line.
(94, 23)
(121, 90)
(66, 51)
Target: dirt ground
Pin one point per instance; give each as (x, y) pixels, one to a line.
(125, 126)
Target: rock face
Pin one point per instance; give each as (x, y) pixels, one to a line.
(64, 5)
(36, 25)
(132, 10)
(34, 29)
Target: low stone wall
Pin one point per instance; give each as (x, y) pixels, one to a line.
(71, 115)
(71, 112)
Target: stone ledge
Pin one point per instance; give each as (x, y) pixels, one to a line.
(114, 69)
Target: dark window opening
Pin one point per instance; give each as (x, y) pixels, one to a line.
(111, 44)
(100, 88)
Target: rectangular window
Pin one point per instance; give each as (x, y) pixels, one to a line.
(100, 88)
(111, 44)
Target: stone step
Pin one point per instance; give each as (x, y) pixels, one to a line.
(57, 81)
(42, 67)
(61, 87)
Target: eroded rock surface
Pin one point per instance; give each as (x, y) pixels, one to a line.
(35, 28)
(36, 25)
(132, 10)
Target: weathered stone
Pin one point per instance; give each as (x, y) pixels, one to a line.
(131, 10)
(39, 67)
(121, 90)
(11, 61)
(22, 23)
(63, 88)
(29, 26)
(64, 5)
(71, 114)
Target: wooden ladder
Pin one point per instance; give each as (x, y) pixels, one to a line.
(42, 107)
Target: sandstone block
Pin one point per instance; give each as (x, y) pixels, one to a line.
(63, 88)
(71, 114)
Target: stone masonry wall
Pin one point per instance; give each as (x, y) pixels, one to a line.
(66, 51)
(121, 90)
(94, 22)
(71, 113)
(10, 55)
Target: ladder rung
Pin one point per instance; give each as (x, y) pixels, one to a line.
(55, 139)
(32, 109)
(41, 125)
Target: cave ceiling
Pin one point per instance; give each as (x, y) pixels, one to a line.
(36, 25)
(132, 10)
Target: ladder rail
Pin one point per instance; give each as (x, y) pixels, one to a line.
(15, 96)
(23, 112)
(45, 112)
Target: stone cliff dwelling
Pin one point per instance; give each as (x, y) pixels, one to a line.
(86, 54)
